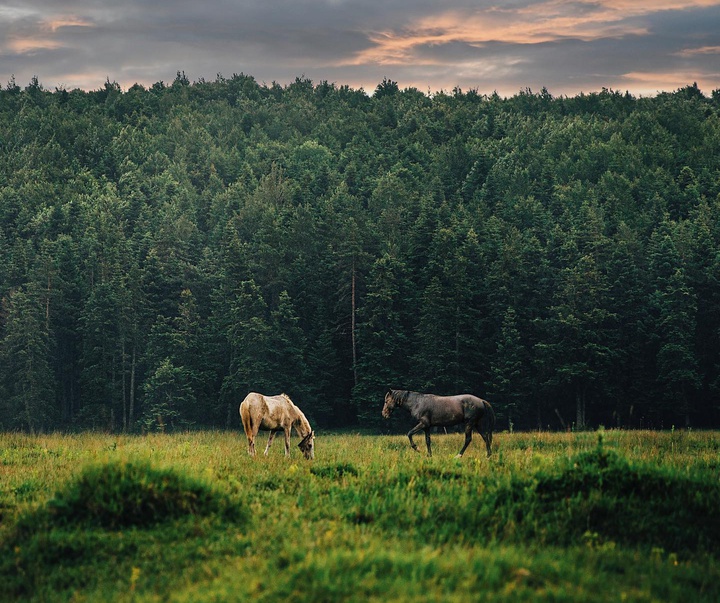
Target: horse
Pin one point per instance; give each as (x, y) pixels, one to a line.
(275, 414)
(443, 411)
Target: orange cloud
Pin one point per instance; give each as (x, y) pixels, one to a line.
(43, 39)
(27, 45)
(542, 22)
(71, 21)
(693, 52)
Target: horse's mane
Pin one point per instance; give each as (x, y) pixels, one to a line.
(301, 418)
(400, 396)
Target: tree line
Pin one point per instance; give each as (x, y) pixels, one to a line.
(168, 249)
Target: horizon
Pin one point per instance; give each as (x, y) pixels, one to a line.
(369, 92)
(568, 47)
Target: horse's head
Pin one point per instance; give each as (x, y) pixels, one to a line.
(307, 446)
(390, 405)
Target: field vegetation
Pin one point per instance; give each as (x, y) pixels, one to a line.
(592, 516)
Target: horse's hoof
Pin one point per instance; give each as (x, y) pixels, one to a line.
(458, 456)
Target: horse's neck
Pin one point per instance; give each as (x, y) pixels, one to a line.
(303, 425)
(409, 400)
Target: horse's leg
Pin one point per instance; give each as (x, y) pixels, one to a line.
(287, 440)
(251, 442)
(271, 437)
(252, 436)
(418, 428)
(468, 439)
(427, 440)
(247, 426)
(488, 441)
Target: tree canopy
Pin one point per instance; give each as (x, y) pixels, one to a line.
(167, 249)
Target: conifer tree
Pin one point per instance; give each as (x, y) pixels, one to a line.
(26, 376)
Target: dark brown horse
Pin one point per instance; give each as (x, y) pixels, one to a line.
(443, 411)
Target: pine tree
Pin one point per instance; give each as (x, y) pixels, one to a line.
(249, 342)
(287, 348)
(167, 391)
(579, 343)
(510, 381)
(382, 339)
(673, 326)
(25, 373)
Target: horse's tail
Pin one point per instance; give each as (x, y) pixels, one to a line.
(246, 415)
(489, 417)
(488, 424)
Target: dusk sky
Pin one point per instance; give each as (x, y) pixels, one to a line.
(567, 46)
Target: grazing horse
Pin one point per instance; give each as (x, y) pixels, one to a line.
(275, 414)
(443, 411)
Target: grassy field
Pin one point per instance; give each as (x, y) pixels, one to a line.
(604, 516)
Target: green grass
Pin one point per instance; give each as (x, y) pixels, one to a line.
(603, 516)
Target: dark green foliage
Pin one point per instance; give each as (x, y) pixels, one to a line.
(134, 494)
(209, 238)
(94, 527)
(334, 471)
(599, 494)
(596, 495)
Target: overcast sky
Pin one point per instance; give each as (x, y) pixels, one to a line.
(567, 46)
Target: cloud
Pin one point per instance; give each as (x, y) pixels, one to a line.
(565, 45)
(694, 52)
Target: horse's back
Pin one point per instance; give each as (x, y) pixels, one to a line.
(464, 400)
(473, 407)
(252, 401)
(269, 412)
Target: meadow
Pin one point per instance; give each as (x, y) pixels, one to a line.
(592, 516)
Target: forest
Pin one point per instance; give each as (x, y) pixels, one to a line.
(166, 250)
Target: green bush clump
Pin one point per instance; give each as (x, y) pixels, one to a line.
(601, 493)
(335, 471)
(135, 494)
(596, 498)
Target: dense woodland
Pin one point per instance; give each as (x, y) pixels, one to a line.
(165, 250)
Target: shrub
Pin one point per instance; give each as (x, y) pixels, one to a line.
(601, 493)
(335, 472)
(136, 494)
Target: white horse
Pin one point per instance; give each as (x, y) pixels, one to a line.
(275, 414)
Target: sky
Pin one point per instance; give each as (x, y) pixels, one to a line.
(566, 46)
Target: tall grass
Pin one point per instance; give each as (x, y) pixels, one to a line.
(191, 517)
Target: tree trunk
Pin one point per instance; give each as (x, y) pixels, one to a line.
(580, 409)
(457, 348)
(352, 327)
(131, 409)
(228, 418)
(124, 389)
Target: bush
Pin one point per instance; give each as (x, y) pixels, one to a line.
(136, 494)
(600, 493)
(597, 495)
(335, 472)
